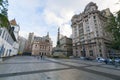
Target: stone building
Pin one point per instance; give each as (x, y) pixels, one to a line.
(22, 43)
(66, 45)
(42, 45)
(28, 46)
(89, 36)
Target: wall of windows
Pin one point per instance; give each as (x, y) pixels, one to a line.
(6, 43)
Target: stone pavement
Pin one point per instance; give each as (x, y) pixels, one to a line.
(31, 68)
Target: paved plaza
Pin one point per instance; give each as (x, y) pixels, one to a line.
(31, 68)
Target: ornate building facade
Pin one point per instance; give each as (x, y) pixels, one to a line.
(42, 45)
(89, 36)
(66, 45)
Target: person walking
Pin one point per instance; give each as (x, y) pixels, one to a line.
(106, 61)
(116, 64)
(41, 56)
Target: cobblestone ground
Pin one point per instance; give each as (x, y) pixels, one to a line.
(31, 68)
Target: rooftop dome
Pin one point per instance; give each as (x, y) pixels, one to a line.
(89, 6)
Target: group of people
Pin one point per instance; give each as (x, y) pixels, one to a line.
(41, 55)
(113, 62)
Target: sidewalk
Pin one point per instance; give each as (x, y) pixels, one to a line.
(100, 64)
(31, 68)
(111, 66)
(2, 59)
(104, 65)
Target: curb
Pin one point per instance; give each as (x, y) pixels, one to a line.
(5, 58)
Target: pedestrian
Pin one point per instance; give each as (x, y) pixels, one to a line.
(112, 61)
(41, 56)
(106, 61)
(116, 64)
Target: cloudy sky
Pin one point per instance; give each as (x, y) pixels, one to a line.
(42, 16)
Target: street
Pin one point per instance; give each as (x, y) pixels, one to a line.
(32, 68)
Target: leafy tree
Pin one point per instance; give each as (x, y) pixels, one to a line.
(4, 22)
(113, 26)
(3, 13)
(4, 7)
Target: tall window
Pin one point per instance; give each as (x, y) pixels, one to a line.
(36, 46)
(94, 17)
(91, 52)
(101, 55)
(6, 36)
(95, 21)
(3, 34)
(0, 31)
(75, 31)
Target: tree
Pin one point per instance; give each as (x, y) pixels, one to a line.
(113, 26)
(4, 22)
(4, 7)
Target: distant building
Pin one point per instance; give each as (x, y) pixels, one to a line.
(89, 36)
(22, 43)
(66, 45)
(28, 46)
(42, 45)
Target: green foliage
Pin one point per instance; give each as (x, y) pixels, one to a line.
(4, 7)
(113, 26)
(4, 21)
(3, 13)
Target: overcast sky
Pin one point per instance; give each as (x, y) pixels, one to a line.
(42, 16)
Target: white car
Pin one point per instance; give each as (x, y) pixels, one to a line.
(82, 58)
(100, 59)
(117, 60)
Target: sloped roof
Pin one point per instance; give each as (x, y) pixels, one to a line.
(13, 22)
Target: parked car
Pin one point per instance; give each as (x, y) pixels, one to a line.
(71, 57)
(109, 60)
(100, 59)
(26, 54)
(88, 58)
(82, 58)
(117, 60)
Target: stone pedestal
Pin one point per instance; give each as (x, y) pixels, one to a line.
(58, 52)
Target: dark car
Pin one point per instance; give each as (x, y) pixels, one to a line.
(26, 53)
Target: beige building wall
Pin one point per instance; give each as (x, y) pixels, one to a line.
(42, 45)
(66, 45)
(89, 36)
